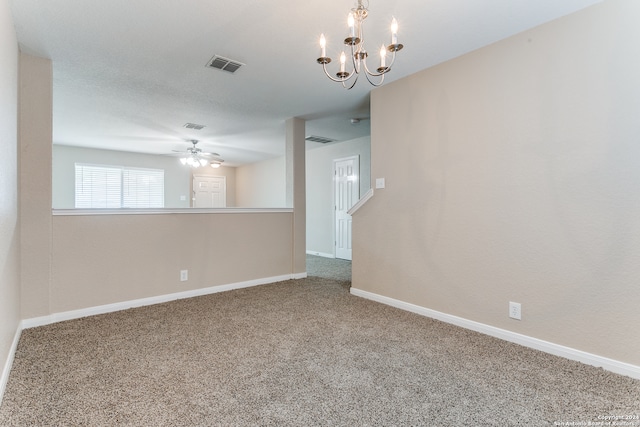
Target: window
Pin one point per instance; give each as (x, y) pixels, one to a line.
(99, 186)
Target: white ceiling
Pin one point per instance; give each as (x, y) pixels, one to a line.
(128, 74)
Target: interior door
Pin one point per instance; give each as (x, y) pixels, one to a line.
(209, 191)
(347, 193)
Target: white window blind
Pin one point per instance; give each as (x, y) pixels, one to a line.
(99, 186)
(142, 188)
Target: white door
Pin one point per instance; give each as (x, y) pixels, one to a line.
(209, 191)
(347, 193)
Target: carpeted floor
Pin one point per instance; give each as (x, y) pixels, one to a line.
(330, 268)
(299, 353)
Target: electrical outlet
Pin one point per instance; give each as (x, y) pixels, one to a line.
(184, 275)
(515, 310)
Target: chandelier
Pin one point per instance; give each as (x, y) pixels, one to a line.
(359, 55)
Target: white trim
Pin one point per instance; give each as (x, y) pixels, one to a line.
(322, 254)
(360, 203)
(612, 365)
(125, 211)
(109, 308)
(6, 370)
(297, 276)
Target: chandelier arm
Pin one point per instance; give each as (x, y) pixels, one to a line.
(324, 67)
(356, 63)
(372, 82)
(353, 84)
(393, 60)
(381, 73)
(374, 74)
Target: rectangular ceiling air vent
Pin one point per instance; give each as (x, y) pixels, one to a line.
(224, 64)
(320, 139)
(193, 126)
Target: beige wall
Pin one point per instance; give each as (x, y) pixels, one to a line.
(262, 184)
(35, 129)
(104, 259)
(296, 188)
(9, 222)
(320, 191)
(512, 175)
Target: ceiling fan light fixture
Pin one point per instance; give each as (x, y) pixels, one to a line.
(196, 158)
(193, 161)
(215, 165)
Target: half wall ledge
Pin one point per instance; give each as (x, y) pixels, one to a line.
(87, 212)
(360, 203)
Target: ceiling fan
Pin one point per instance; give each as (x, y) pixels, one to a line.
(195, 157)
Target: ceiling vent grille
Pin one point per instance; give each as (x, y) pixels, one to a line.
(194, 126)
(320, 139)
(224, 64)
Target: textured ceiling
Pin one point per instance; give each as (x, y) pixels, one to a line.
(129, 74)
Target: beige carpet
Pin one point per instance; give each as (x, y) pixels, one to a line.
(300, 353)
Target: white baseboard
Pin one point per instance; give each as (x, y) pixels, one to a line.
(6, 369)
(109, 308)
(322, 254)
(611, 365)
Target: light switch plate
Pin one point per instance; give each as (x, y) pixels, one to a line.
(379, 182)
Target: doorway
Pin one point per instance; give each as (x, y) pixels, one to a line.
(209, 191)
(346, 172)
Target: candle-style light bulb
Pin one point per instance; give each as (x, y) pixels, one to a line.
(351, 21)
(343, 59)
(323, 46)
(394, 31)
(383, 56)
